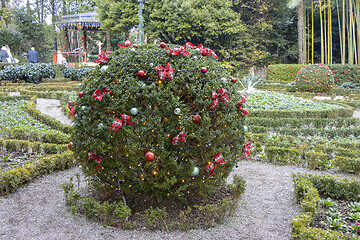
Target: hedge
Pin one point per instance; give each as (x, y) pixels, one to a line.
(308, 189)
(286, 73)
(15, 145)
(35, 136)
(283, 73)
(346, 73)
(332, 113)
(14, 178)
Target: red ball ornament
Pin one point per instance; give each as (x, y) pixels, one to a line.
(70, 145)
(162, 44)
(203, 69)
(196, 118)
(150, 156)
(141, 73)
(81, 94)
(233, 80)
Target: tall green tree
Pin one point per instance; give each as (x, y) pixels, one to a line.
(118, 16)
(35, 34)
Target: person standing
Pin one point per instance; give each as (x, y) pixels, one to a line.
(32, 56)
(3, 55)
(11, 58)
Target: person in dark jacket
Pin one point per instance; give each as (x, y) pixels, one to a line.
(3, 55)
(32, 56)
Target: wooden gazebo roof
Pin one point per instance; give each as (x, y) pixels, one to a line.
(85, 20)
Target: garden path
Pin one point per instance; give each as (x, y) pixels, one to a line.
(37, 210)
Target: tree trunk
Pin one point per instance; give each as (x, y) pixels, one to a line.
(300, 10)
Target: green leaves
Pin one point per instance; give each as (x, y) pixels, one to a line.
(123, 163)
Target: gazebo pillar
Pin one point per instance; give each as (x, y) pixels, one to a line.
(64, 43)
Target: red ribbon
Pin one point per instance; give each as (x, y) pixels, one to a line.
(97, 158)
(71, 106)
(118, 123)
(219, 158)
(208, 51)
(222, 95)
(245, 150)
(103, 57)
(243, 100)
(190, 45)
(127, 44)
(179, 138)
(107, 91)
(181, 51)
(98, 94)
(165, 71)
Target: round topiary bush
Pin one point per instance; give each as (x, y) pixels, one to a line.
(160, 121)
(314, 78)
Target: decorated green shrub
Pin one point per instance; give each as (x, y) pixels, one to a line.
(314, 78)
(159, 120)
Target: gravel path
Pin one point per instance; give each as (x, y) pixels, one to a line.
(37, 210)
(52, 107)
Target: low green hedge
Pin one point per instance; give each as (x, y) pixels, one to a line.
(14, 145)
(9, 98)
(14, 178)
(54, 87)
(50, 95)
(48, 80)
(35, 136)
(285, 149)
(333, 113)
(308, 189)
(328, 133)
(299, 122)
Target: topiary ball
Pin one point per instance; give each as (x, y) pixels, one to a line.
(111, 141)
(314, 78)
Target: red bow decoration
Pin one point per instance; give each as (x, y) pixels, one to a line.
(71, 106)
(208, 51)
(127, 44)
(243, 100)
(245, 150)
(190, 45)
(210, 168)
(103, 57)
(107, 91)
(98, 94)
(179, 138)
(222, 95)
(165, 71)
(118, 123)
(181, 51)
(97, 158)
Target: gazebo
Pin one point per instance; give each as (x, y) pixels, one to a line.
(81, 23)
